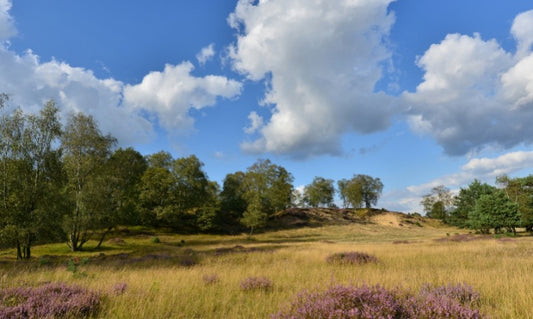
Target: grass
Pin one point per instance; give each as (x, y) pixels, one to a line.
(293, 260)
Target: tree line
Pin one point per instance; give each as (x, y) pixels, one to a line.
(71, 183)
(483, 207)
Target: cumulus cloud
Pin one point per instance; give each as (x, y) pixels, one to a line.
(7, 24)
(256, 122)
(120, 109)
(321, 61)
(206, 54)
(474, 93)
(31, 83)
(171, 93)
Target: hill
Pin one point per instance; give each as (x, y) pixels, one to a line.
(316, 217)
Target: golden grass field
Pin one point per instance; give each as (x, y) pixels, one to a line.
(501, 270)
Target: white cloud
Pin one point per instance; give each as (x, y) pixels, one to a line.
(256, 122)
(522, 30)
(7, 24)
(321, 61)
(172, 93)
(475, 94)
(206, 54)
(31, 83)
(119, 109)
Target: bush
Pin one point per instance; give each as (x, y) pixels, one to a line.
(156, 240)
(48, 301)
(256, 283)
(353, 257)
(378, 302)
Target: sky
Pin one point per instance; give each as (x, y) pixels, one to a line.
(417, 93)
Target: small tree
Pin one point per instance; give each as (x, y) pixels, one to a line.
(320, 192)
(254, 217)
(438, 203)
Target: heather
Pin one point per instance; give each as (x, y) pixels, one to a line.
(369, 302)
(256, 283)
(142, 279)
(351, 257)
(49, 301)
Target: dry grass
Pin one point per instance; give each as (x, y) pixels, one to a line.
(293, 260)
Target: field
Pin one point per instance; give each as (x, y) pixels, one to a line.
(199, 276)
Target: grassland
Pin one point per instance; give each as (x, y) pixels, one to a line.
(167, 279)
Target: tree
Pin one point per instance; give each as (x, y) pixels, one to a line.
(438, 202)
(359, 190)
(496, 211)
(520, 191)
(351, 192)
(86, 151)
(178, 194)
(116, 191)
(320, 192)
(232, 201)
(28, 175)
(371, 189)
(465, 202)
(267, 189)
(160, 159)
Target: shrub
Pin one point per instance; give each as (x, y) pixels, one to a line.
(156, 240)
(256, 283)
(54, 300)
(353, 257)
(378, 302)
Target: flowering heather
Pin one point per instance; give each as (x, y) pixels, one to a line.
(210, 279)
(256, 283)
(378, 302)
(351, 257)
(119, 288)
(48, 301)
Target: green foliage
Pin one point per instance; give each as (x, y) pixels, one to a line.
(28, 175)
(465, 202)
(320, 192)
(85, 152)
(496, 211)
(232, 201)
(359, 190)
(178, 194)
(437, 204)
(267, 188)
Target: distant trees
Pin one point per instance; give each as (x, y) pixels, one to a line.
(438, 202)
(484, 207)
(320, 192)
(360, 190)
(70, 183)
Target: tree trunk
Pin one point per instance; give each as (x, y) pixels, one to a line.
(19, 251)
(103, 236)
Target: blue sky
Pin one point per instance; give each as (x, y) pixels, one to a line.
(417, 93)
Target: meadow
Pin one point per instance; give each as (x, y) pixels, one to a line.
(145, 275)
